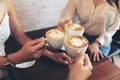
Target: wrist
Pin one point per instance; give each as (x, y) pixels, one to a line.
(97, 42)
(48, 54)
(16, 57)
(74, 77)
(7, 61)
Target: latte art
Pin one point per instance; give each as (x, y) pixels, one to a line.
(74, 44)
(76, 41)
(55, 38)
(55, 34)
(74, 26)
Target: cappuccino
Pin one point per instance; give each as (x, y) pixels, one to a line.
(74, 29)
(55, 34)
(74, 44)
(55, 38)
(76, 41)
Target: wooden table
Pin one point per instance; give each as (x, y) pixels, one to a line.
(46, 69)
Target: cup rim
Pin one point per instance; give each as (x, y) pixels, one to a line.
(83, 28)
(56, 38)
(73, 47)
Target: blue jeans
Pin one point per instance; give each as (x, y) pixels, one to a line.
(104, 50)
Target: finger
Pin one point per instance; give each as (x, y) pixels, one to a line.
(94, 58)
(61, 23)
(64, 61)
(66, 57)
(101, 54)
(38, 46)
(80, 58)
(91, 51)
(68, 21)
(72, 60)
(70, 66)
(38, 56)
(87, 61)
(42, 39)
(60, 28)
(98, 57)
(39, 52)
(36, 41)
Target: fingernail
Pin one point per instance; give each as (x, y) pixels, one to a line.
(66, 62)
(94, 59)
(45, 39)
(98, 59)
(103, 57)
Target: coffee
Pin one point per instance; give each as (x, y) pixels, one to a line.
(74, 29)
(55, 38)
(76, 41)
(74, 44)
(55, 34)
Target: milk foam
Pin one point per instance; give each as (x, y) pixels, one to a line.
(56, 34)
(75, 26)
(76, 42)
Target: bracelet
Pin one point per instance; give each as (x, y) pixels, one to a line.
(7, 61)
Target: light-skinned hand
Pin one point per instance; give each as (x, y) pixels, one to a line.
(34, 48)
(81, 68)
(61, 24)
(95, 52)
(61, 58)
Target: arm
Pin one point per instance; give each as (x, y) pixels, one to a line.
(31, 50)
(68, 14)
(15, 27)
(58, 57)
(105, 38)
(69, 11)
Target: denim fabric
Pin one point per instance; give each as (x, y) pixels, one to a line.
(104, 50)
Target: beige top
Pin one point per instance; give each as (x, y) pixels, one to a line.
(103, 20)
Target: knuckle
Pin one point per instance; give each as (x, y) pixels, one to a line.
(35, 56)
(32, 50)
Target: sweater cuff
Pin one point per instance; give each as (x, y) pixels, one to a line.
(101, 40)
(104, 39)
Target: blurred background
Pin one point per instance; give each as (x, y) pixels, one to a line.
(38, 14)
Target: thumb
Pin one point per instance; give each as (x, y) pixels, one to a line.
(33, 42)
(37, 43)
(80, 58)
